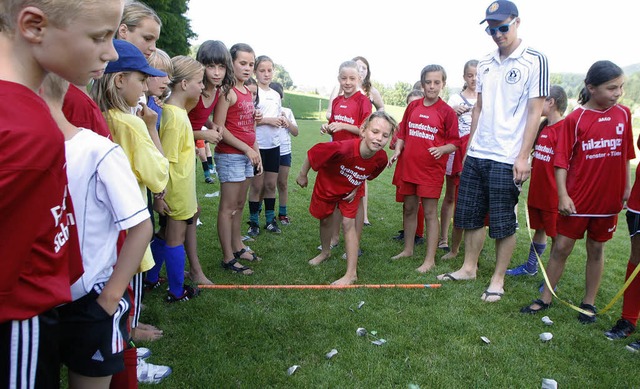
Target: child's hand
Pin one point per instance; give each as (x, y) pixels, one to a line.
(566, 206)
(302, 180)
(212, 137)
(352, 195)
(253, 156)
(324, 129)
(462, 108)
(149, 116)
(257, 116)
(393, 158)
(258, 170)
(158, 101)
(160, 206)
(436, 152)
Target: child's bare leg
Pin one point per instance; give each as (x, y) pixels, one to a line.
(191, 247)
(409, 212)
(364, 201)
(560, 251)
(335, 227)
(283, 177)
(236, 239)
(456, 240)
(594, 269)
(446, 211)
(326, 230)
(229, 217)
(473, 242)
(430, 207)
(351, 247)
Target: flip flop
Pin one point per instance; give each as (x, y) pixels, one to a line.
(487, 294)
(447, 277)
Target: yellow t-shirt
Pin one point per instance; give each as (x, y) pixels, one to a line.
(148, 164)
(176, 137)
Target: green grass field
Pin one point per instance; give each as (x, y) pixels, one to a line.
(248, 339)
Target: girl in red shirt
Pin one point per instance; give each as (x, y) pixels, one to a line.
(542, 201)
(591, 163)
(429, 131)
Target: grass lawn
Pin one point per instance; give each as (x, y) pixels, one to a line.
(249, 338)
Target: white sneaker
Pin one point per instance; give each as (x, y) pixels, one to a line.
(151, 374)
(143, 352)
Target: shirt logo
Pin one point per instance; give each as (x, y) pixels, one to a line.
(513, 76)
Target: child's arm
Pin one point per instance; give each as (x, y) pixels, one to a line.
(289, 122)
(213, 134)
(565, 203)
(396, 153)
(337, 126)
(439, 151)
(627, 187)
(127, 264)
(150, 118)
(302, 178)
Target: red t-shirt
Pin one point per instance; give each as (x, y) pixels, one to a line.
(81, 111)
(199, 114)
(422, 128)
(352, 110)
(543, 190)
(240, 122)
(594, 147)
(633, 204)
(341, 168)
(40, 257)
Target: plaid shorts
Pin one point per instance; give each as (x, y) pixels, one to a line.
(487, 186)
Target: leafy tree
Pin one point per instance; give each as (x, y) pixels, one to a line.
(282, 76)
(176, 27)
(396, 95)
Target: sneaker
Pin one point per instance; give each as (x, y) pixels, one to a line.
(521, 271)
(149, 285)
(149, 373)
(187, 294)
(634, 346)
(621, 330)
(400, 236)
(284, 220)
(273, 227)
(209, 180)
(254, 229)
(418, 240)
(143, 352)
(586, 319)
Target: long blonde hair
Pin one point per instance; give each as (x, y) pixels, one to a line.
(135, 12)
(184, 68)
(105, 93)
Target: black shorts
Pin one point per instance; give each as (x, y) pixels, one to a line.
(92, 343)
(29, 353)
(270, 159)
(633, 222)
(162, 220)
(285, 160)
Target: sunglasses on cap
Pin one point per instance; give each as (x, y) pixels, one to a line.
(503, 29)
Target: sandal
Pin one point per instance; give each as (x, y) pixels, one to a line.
(443, 245)
(231, 265)
(254, 256)
(530, 310)
(587, 319)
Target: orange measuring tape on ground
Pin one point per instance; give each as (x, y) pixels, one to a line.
(354, 286)
(547, 283)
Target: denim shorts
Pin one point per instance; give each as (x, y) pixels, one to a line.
(233, 167)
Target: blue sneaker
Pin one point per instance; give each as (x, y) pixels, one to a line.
(521, 271)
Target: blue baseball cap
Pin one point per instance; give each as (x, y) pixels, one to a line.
(130, 58)
(500, 10)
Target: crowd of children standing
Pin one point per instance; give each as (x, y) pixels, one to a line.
(122, 124)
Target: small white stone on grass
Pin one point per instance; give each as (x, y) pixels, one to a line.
(379, 342)
(485, 339)
(331, 353)
(547, 321)
(361, 331)
(292, 369)
(546, 336)
(360, 304)
(549, 383)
